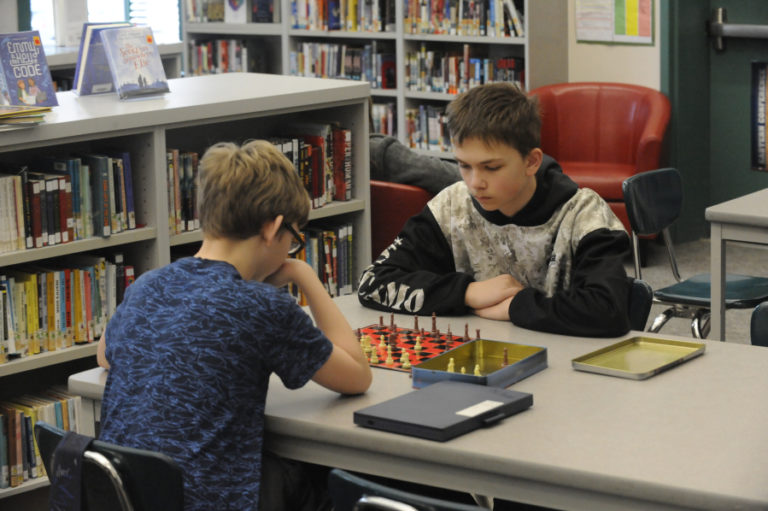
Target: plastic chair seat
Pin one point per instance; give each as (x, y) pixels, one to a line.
(741, 291)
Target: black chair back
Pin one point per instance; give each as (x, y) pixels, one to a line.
(352, 493)
(654, 200)
(640, 301)
(152, 481)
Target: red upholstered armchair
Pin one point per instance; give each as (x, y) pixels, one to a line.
(603, 133)
(392, 204)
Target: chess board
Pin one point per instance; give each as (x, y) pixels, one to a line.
(432, 341)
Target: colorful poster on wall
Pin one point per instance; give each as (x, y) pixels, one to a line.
(614, 21)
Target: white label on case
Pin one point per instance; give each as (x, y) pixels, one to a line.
(479, 408)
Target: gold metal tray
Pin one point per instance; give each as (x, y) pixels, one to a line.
(498, 364)
(638, 358)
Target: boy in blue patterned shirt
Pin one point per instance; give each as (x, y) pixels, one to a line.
(191, 348)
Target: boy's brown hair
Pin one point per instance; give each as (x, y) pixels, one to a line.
(239, 188)
(496, 113)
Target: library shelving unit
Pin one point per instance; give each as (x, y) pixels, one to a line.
(544, 48)
(62, 60)
(197, 112)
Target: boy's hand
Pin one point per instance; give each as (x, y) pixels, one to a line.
(499, 311)
(292, 270)
(489, 293)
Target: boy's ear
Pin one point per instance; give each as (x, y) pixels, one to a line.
(270, 229)
(533, 161)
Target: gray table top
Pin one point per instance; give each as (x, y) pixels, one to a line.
(690, 437)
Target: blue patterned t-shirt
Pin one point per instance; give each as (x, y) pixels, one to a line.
(191, 349)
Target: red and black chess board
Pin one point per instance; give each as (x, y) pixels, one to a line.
(433, 343)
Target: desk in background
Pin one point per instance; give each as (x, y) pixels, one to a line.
(689, 438)
(741, 219)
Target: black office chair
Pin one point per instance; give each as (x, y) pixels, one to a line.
(758, 327)
(654, 200)
(640, 301)
(352, 493)
(120, 478)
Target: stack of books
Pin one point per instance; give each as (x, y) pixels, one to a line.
(21, 116)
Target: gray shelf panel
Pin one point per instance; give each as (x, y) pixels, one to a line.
(48, 358)
(33, 484)
(329, 210)
(76, 247)
(192, 102)
(234, 29)
(479, 39)
(342, 34)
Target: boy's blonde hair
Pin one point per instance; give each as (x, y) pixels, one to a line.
(496, 113)
(239, 188)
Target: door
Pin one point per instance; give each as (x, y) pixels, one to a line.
(710, 91)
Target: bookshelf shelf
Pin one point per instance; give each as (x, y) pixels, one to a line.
(198, 112)
(74, 247)
(543, 50)
(46, 359)
(32, 484)
(221, 28)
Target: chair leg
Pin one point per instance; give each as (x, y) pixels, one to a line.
(700, 326)
(661, 320)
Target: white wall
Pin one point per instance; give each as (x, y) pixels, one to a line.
(640, 65)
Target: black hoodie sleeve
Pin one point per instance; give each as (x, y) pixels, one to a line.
(596, 303)
(416, 273)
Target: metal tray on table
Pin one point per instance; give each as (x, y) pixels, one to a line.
(638, 358)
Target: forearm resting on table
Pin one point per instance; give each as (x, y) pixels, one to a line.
(491, 292)
(347, 370)
(101, 352)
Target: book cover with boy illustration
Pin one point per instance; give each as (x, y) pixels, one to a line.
(134, 61)
(25, 78)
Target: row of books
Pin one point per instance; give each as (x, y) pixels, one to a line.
(427, 128)
(384, 119)
(233, 11)
(20, 458)
(348, 15)
(45, 307)
(329, 60)
(62, 199)
(453, 73)
(214, 56)
(322, 155)
(494, 18)
(320, 152)
(329, 252)
(181, 169)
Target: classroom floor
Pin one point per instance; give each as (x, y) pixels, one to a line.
(692, 258)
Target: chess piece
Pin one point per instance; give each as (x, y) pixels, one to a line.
(451, 366)
(389, 361)
(505, 362)
(416, 323)
(463, 370)
(477, 370)
(417, 346)
(406, 360)
(374, 356)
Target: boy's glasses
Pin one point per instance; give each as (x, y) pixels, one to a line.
(297, 243)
